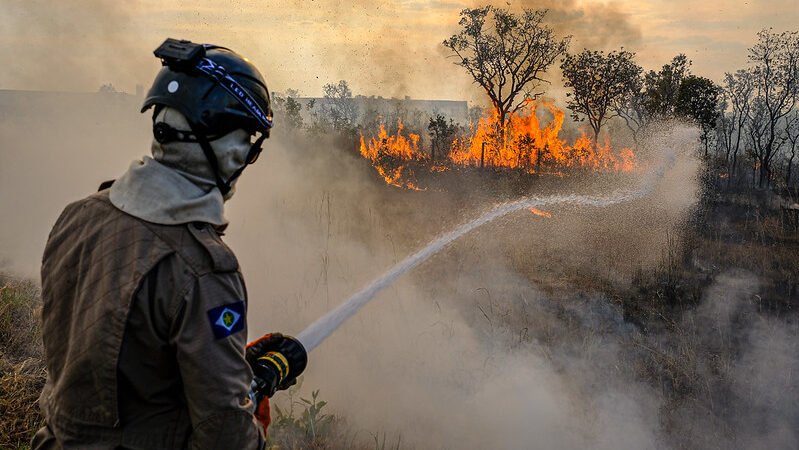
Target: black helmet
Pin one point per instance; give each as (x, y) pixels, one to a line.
(217, 90)
(207, 104)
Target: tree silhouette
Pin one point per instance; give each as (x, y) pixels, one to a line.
(508, 56)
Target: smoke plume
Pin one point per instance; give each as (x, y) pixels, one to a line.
(500, 341)
(496, 342)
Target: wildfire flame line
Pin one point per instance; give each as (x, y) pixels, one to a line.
(523, 143)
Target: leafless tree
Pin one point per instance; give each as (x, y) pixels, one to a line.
(775, 59)
(738, 89)
(792, 137)
(634, 112)
(508, 57)
(755, 132)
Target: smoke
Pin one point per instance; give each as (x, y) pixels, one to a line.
(499, 341)
(508, 397)
(490, 344)
(73, 45)
(593, 25)
(58, 148)
(403, 63)
(755, 358)
(423, 362)
(382, 48)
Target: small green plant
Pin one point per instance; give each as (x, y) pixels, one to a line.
(303, 425)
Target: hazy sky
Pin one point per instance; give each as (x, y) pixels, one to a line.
(382, 48)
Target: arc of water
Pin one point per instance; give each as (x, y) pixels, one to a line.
(323, 327)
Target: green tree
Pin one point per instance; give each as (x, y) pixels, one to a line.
(290, 108)
(663, 88)
(600, 84)
(655, 97)
(338, 108)
(441, 134)
(508, 56)
(698, 101)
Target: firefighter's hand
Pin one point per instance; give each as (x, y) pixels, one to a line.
(276, 360)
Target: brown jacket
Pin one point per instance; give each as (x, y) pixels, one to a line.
(144, 332)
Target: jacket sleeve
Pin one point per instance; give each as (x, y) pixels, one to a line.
(209, 334)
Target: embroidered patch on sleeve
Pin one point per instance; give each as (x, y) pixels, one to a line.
(227, 319)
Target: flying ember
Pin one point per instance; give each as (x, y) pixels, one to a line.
(542, 213)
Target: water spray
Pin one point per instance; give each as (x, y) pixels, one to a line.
(318, 331)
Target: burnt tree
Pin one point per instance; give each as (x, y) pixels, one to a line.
(775, 59)
(792, 138)
(737, 96)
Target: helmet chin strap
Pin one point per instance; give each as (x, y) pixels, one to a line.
(223, 185)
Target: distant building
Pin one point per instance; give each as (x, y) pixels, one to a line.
(20, 102)
(374, 107)
(391, 108)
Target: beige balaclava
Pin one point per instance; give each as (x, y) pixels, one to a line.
(177, 185)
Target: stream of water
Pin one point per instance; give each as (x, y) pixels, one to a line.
(323, 327)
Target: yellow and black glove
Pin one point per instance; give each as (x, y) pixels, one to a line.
(276, 361)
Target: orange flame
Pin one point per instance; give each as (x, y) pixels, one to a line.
(389, 155)
(524, 144)
(541, 213)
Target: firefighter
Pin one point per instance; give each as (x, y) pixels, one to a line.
(144, 317)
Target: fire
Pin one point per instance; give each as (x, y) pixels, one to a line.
(390, 154)
(541, 213)
(524, 143)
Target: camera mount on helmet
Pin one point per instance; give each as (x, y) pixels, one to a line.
(217, 91)
(180, 54)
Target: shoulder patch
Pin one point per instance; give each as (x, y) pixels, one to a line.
(227, 319)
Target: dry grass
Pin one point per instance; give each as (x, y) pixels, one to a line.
(306, 425)
(22, 373)
(19, 392)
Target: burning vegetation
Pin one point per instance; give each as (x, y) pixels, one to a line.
(525, 142)
(390, 155)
